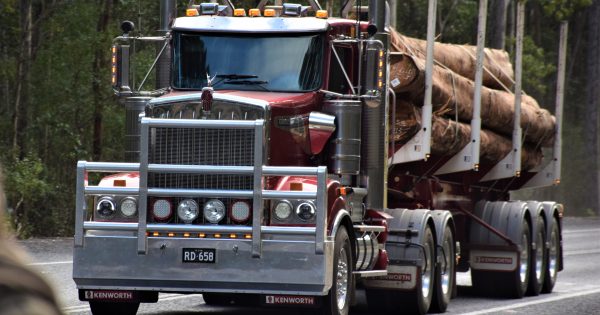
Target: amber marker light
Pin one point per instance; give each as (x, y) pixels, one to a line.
(269, 12)
(232, 236)
(186, 234)
(201, 235)
(254, 12)
(247, 236)
(239, 12)
(171, 234)
(217, 235)
(191, 12)
(155, 234)
(119, 183)
(296, 186)
(322, 14)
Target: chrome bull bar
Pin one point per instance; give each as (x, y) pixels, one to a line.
(258, 194)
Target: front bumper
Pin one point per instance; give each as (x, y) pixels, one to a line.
(285, 266)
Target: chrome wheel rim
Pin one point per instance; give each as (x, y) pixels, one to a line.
(524, 258)
(446, 268)
(539, 256)
(553, 254)
(342, 280)
(426, 275)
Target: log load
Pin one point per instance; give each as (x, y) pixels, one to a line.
(448, 137)
(498, 72)
(453, 94)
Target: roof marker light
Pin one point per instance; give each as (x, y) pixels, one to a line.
(239, 12)
(322, 14)
(269, 13)
(191, 12)
(254, 12)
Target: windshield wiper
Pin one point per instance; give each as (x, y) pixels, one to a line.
(235, 76)
(246, 82)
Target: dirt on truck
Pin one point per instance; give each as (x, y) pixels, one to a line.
(290, 157)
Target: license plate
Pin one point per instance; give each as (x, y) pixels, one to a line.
(199, 255)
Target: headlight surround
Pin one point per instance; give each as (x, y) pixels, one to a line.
(128, 206)
(214, 211)
(282, 210)
(188, 210)
(239, 211)
(162, 209)
(105, 207)
(306, 211)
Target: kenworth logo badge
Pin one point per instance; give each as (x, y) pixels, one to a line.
(290, 300)
(108, 295)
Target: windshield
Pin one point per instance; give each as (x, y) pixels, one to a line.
(258, 62)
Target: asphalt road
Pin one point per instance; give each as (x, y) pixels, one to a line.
(576, 292)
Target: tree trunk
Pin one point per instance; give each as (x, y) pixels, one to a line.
(498, 23)
(99, 64)
(592, 102)
(23, 77)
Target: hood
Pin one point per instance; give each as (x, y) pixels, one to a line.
(271, 99)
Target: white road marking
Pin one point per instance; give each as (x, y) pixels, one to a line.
(581, 231)
(536, 302)
(582, 252)
(51, 263)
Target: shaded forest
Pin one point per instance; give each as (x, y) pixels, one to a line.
(57, 107)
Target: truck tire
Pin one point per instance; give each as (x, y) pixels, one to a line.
(337, 302)
(108, 308)
(538, 259)
(416, 301)
(552, 256)
(512, 284)
(445, 274)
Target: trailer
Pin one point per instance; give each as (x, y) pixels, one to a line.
(263, 169)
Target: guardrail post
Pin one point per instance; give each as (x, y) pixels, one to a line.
(257, 202)
(142, 247)
(321, 228)
(80, 204)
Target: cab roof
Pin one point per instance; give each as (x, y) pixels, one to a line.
(250, 24)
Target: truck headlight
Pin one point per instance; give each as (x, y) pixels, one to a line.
(105, 207)
(128, 206)
(282, 210)
(305, 211)
(187, 210)
(214, 211)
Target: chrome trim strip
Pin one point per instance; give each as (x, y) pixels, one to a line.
(110, 166)
(321, 229)
(80, 204)
(338, 220)
(250, 24)
(97, 190)
(200, 193)
(204, 169)
(194, 123)
(143, 196)
(257, 202)
(216, 97)
(271, 230)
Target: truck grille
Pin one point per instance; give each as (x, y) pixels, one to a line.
(219, 147)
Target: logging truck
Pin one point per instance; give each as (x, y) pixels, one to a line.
(287, 157)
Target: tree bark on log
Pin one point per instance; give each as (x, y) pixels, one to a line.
(448, 137)
(453, 96)
(498, 73)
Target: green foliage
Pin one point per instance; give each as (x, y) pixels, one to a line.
(563, 9)
(537, 69)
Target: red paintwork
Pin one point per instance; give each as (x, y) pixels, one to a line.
(318, 139)
(335, 203)
(132, 180)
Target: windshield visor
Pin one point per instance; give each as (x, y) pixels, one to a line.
(260, 62)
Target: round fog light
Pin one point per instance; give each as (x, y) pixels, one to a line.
(187, 210)
(282, 210)
(240, 211)
(161, 209)
(105, 207)
(305, 211)
(214, 211)
(128, 207)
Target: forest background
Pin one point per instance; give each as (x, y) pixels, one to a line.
(57, 107)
